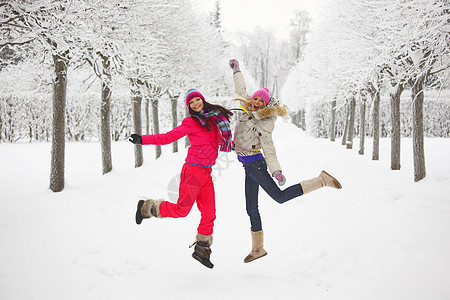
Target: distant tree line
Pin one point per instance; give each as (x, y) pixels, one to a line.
(436, 119)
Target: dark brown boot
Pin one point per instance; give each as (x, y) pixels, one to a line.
(147, 209)
(202, 250)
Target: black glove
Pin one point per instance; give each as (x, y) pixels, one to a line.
(136, 139)
(234, 64)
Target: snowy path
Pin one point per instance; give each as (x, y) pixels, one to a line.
(381, 237)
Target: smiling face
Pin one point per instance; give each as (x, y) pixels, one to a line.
(196, 104)
(257, 103)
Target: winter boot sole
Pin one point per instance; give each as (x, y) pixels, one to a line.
(204, 261)
(250, 259)
(138, 212)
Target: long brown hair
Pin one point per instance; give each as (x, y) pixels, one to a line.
(210, 107)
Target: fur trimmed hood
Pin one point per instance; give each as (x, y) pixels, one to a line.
(273, 109)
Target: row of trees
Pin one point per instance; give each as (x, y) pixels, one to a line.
(143, 54)
(28, 118)
(436, 118)
(360, 49)
(153, 47)
(269, 60)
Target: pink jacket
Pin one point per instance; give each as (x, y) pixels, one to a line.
(204, 144)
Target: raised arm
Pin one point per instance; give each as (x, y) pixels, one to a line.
(239, 82)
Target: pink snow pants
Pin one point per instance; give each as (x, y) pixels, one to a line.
(195, 185)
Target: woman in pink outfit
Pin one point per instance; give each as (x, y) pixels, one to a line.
(208, 130)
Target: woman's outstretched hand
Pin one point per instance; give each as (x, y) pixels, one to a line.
(136, 139)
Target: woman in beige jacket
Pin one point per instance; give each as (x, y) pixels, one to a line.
(253, 133)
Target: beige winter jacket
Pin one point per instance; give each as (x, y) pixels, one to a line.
(254, 129)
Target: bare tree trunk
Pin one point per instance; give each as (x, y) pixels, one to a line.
(263, 73)
(105, 116)
(155, 102)
(58, 122)
(186, 139)
(10, 135)
(376, 124)
(347, 112)
(395, 130)
(147, 116)
(1, 128)
(275, 86)
(174, 100)
(136, 98)
(295, 119)
(362, 129)
(418, 139)
(267, 65)
(303, 119)
(351, 125)
(333, 121)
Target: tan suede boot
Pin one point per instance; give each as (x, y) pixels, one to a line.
(147, 209)
(257, 247)
(324, 179)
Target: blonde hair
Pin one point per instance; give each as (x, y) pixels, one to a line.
(246, 101)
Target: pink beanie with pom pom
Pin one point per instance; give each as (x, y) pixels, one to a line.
(263, 93)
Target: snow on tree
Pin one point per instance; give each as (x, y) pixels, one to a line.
(46, 24)
(360, 45)
(181, 51)
(428, 53)
(152, 45)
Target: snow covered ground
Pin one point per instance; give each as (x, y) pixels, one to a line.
(382, 236)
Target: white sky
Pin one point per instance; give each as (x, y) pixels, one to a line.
(246, 15)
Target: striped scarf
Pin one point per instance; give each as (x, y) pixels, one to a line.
(222, 123)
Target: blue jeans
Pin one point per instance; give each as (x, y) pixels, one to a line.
(256, 175)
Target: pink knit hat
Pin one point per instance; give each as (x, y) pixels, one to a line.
(263, 93)
(192, 93)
